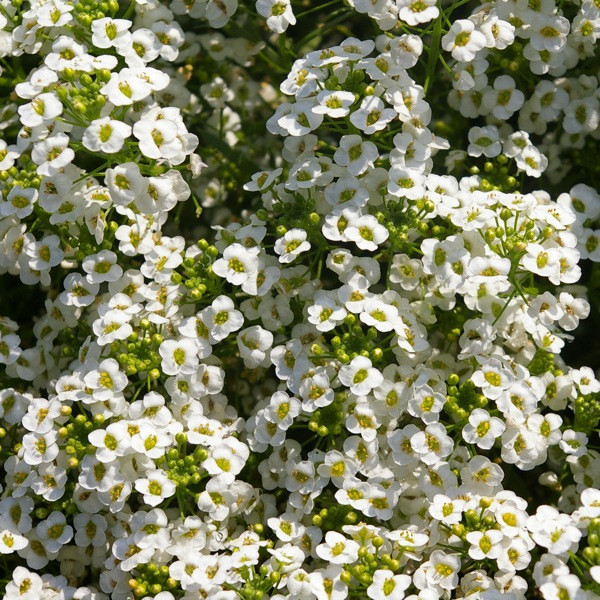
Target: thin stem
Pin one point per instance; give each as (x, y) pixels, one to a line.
(316, 8)
(434, 50)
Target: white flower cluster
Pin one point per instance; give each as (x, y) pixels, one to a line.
(329, 363)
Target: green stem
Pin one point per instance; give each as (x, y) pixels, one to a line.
(316, 8)
(129, 10)
(434, 50)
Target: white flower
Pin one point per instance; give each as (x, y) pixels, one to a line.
(90, 530)
(78, 290)
(44, 108)
(387, 585)
(221, 318)
(549, 32)
(254, 344)
(282, 410)
(482, 430)
(432, 444)
(125, 87)
(9, 348)
(371, 115)
(106, 379)
(545, 308)
(485, 544)
(113, 325)
(376, 313)
(565, 587)
(414, 13)
(291, 245)
(541, 260)
(360, 375)
(405, 182)
(278, 13)
(11, 541)
(355, 154)
(216, 499)
(304, 174)
(532, 161)
(155, 487)
(504, 99)
(301, 119)
(347, 192)
(227, 460)
(425, 403)
(498, 33)
(150, 441)
(54, 531)
(363, 421)
(45, 254)
(157, 138)
(334, 104)
(24, 585)
(110, 443)
(493, 378)
(446, 510)
(237, 265)
(463, 40)
(105, 135)
(573, 309)
(366, 232)
(262, 180)
(102, 267)
(40, 448)
(519, 447)
(337, 549)
(179, 356)
(125, 183)
(582, 115)
(326, 311)
(553, 530)
(484, 140)
(442, 570)
(52, 154)
(109, 32)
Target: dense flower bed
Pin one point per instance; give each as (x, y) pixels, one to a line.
(291, 297)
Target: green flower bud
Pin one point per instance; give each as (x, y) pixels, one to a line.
(394, 565)
(68, 74)
(588, 554)
(458, 529)
(258, 528)
(80, 108)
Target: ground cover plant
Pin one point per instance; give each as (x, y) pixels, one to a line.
(299, 300)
